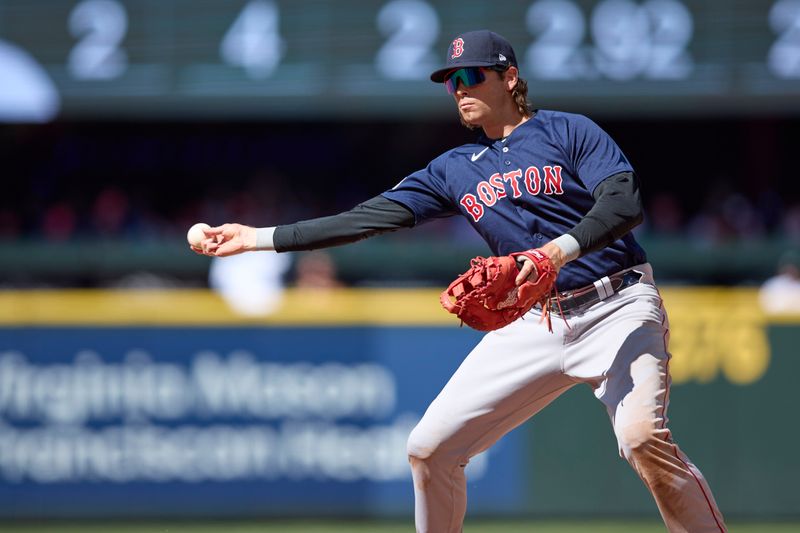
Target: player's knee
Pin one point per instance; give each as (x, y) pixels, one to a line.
(423, 447)
(419, 446)
(638, 440)
(431, 459)
(420, 450)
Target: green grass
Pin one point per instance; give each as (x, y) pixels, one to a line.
(337, 526)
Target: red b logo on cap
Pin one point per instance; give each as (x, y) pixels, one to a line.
(458, 48)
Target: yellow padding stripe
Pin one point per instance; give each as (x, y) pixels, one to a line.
(308, 307)
(203, 307)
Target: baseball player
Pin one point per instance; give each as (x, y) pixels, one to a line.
(557, 183)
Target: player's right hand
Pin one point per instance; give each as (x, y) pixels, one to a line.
(229, 239)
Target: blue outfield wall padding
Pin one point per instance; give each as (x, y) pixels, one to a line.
(227, 421)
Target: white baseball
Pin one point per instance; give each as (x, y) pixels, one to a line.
(195, 234)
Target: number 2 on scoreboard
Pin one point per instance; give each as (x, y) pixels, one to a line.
(784, 55)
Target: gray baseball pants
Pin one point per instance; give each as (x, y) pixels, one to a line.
(619, 347)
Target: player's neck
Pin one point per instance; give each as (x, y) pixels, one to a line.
(503, 127)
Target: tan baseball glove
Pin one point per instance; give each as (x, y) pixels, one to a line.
(486, 297)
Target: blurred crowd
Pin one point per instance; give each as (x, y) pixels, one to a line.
(114, 212)
(703, 182)
(725, 215)
(143, 181)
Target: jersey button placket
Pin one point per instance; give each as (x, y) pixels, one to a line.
(505, 151)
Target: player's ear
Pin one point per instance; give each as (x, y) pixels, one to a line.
(510, 77)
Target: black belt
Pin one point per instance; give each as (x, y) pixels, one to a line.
(599, 291)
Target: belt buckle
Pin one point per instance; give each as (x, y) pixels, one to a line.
(630, 277)
(627, 278)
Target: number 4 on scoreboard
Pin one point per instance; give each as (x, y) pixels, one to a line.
(253, 41)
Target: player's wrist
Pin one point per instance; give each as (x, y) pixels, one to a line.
(566, 248)
(263, 238)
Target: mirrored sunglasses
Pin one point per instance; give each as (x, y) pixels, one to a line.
(469, 76)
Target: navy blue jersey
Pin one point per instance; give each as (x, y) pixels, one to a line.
(527, 189)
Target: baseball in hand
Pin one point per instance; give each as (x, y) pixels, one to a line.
(195, 235)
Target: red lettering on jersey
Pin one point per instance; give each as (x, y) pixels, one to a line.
(513, 177)
(533, 181)
(497, 182)
(458, 48)
(470, 203)
(552, 180)
(486, 193)
(489, 192)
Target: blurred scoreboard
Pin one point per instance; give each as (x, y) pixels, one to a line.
(310, 59)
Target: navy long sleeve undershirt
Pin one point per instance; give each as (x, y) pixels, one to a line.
(617, 210)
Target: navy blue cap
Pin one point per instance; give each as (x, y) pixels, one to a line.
(482, 48)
